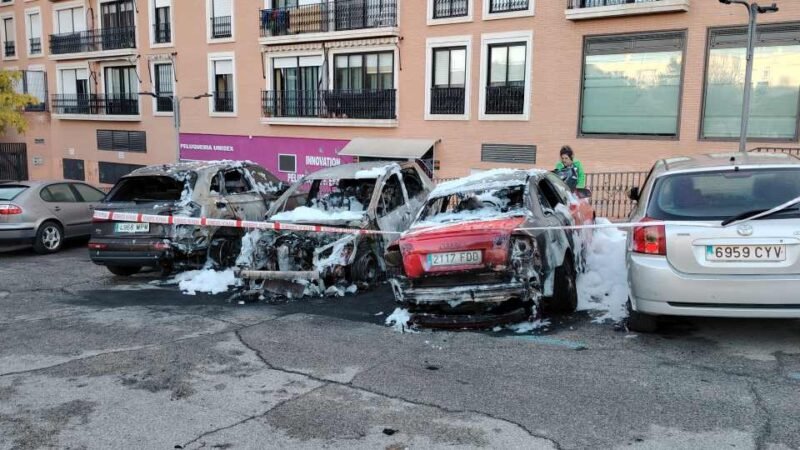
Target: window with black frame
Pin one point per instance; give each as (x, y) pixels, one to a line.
(122, 90)
(632, 85)
(223, 86)
(10, 46)
(505, 90)
(448, 88)
(164, 87)
(295, 87)
(162, 24)
(35, 30)
(775, 93)
(221, 19)
(363, 86)
(445, 9)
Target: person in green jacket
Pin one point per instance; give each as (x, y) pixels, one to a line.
(570, 169)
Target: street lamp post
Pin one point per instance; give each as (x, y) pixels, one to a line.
(176, 113)
(753, 10)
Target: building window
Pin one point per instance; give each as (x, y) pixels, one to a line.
(122, 141)
(73, 93)
(505, 88)
(445, 9)
(502, 6)
(164, 87)
(34, 27)
(162, 24)
(632, 85)
(34, 82)
(371, 71)
(295, 86)
(775, 89)
(9, 40)
(221, 19)
(122, 90)
(110, 172)
(223, 86)
(74, 169)
(118, 24)
(287, 163)
(449, 78)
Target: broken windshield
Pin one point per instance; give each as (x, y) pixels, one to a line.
(328, 200)
(473, 205)
(152, 188)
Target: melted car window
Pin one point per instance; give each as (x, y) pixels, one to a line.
(412, 182)
(151, 189)
(235, 183)
(392, 195)
(474, 205)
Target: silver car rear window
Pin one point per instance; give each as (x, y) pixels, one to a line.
(719, 195)
(10, 192)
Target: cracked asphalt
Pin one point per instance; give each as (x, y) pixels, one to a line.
(89, 360)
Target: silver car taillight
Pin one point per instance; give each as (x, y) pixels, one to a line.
(10, 209)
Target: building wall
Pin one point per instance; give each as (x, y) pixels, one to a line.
(555, 73)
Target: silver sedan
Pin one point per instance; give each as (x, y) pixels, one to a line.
(731, 244)
(43, 214)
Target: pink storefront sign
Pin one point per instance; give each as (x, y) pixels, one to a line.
(287, 158)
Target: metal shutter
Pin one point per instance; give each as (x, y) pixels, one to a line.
(137, 141)
(104, 140)
(110, 173)
(122, 140)
(506, 153)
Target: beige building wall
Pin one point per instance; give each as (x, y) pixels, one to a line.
(555, 69)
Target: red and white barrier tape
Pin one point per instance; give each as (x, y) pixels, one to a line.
(230, 223)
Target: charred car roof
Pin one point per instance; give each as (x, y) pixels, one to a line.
(491, 179)
(369, 170)
(189, 166)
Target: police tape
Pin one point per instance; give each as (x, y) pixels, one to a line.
(282, 226)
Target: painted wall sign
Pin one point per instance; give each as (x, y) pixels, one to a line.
(310, 154)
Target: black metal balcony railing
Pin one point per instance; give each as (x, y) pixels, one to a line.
(95, 104)
(329, 16)
(501, 6)
(164, 102)
(223, 101)
(331, 104)
(505, 99)
(162, 33)
(10, 49)
(579, 4)
(93, 40)
(447, 100)
(35, 45)
(221, 27)
(443, 9)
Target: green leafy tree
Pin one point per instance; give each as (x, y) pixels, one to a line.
(12, 103)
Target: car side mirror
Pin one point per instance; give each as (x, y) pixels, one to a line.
(634, 193)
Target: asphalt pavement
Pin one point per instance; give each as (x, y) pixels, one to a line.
(90, 360)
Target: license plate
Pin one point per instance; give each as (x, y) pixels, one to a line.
(132, 227)
(746, 253)
(455, 258)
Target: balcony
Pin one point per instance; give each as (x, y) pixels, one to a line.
(329, 20)
(10, 49)
(597, 9)
(221, 27)
(35, 46)
(506, 6)
(448, 9)
(505, 99)
(95, 105)
(447, 100)
(120, 38)
(334, 105)
(162, 33)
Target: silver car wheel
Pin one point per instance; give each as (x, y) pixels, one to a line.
(51, 237)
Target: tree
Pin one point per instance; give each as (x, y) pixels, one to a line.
(12, 103)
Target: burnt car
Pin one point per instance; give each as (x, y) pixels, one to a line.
(377, 196)
(478, 254)
(215, 189)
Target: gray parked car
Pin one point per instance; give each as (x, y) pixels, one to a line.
(716, 263)
(45, 213)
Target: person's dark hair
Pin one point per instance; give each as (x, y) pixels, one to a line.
(567, 150)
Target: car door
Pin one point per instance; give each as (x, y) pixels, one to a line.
(62, 202)
(243, 201)
(90, 198)
(392, 211)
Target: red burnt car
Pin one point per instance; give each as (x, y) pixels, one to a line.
(477, 254)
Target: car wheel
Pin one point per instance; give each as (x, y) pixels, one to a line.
(641, 322)
(565, 290)
(224, 250)
(124, 271)
(365, 267)
(49, 238)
